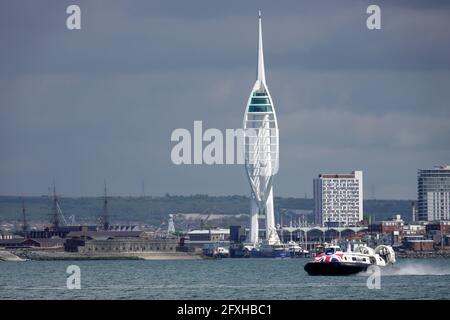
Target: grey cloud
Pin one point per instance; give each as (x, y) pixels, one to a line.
(102, 102)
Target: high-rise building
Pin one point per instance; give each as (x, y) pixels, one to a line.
(433, 194)
(338, 199)
(261, 151)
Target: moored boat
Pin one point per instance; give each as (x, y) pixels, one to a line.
(296, 250)
(273, 250)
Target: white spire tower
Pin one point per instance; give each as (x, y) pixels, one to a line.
(261, 150)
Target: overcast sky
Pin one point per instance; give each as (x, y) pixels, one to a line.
(102, 102)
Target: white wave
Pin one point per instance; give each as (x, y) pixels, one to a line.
(416, 268)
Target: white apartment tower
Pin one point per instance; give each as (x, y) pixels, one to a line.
(433, 193)
(338, 199)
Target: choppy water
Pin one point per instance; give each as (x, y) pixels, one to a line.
(218, 279)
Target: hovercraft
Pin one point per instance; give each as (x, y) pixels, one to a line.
(334, 262)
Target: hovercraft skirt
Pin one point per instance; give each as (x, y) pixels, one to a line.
(334, 268)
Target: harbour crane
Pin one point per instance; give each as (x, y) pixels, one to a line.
(208, 211)
(202, 221)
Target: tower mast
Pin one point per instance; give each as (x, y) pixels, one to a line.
(261, 74)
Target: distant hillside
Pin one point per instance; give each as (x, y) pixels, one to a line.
(154, 210)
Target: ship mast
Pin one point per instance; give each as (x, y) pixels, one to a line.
(55, 219)
(105, 216)
(58, 218)
(24, 219)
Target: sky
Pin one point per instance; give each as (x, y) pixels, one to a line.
(81, 106)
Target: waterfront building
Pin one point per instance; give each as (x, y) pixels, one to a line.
(441, 227)
(417, 243)
(433, 194)
(60, 231)
(108, 242)
(5, 236)
(20, 242)
(209, 235)
(200, 239)
(439, 231)
(413, 228)
(338, 199)
(261, 151)
(388, 226)
(237, 234)
(390, 230)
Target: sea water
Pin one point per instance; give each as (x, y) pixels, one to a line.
(218, 279)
